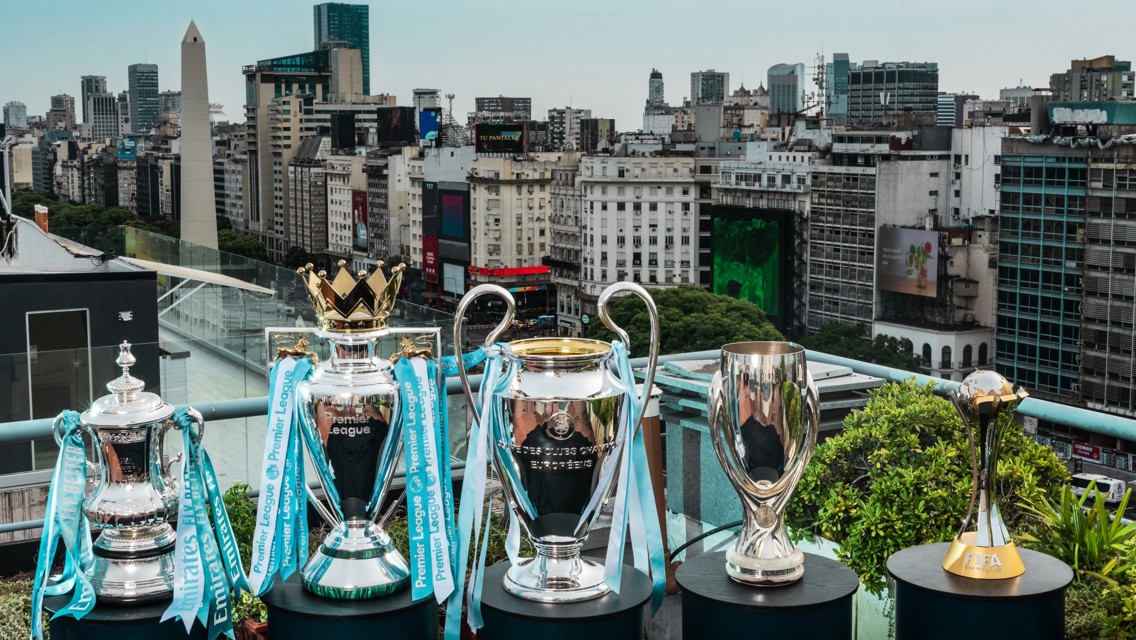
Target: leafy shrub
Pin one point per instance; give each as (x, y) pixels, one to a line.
(15, 608)
(899, 475)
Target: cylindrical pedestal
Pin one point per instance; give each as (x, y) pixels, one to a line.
(614, 616)
(818, 606)
(295, 614)
(133, 622)
(934, 604)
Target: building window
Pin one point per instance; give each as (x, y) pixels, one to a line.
(982, 354)
(966, 354)
(927, 356)
(946, 362)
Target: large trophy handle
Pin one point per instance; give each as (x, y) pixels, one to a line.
(653, 356)
(459, 325)
(157, 454)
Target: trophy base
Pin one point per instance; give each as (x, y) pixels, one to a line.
(966, 559)
(356, 562)
(554, 580)
(134, 566)
(765, 572)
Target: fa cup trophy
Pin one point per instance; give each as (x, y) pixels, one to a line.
(989, 552)
(557, 431)
(764, 414)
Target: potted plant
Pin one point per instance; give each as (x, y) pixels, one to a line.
(252, 617)
(917, 257)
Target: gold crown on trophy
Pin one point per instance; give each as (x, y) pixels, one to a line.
(347, 305)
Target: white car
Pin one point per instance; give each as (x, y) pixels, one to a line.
(1111, 488)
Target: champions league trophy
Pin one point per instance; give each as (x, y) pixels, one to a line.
(764, 414)
(347, 413)
(989, 552)
(557, 432)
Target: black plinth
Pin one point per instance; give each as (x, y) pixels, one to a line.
(614, 616)
(295, 614)
(934, 604)
(119, 622)
(818, 606)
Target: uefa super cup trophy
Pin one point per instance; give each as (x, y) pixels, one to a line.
(348, 412)
(988, 552)
(764, 415)
(554, 446)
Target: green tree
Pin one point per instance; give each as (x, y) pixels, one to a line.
(849, 341)
(297, 257)
(899, 475)
(241, 244)
(691, 319)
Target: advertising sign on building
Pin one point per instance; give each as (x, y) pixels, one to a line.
(1086, 451)
(506, 138)
(359, 220)
(453, 278)
(127, 148)
(430, 258)
(907, 261)
(428, 123)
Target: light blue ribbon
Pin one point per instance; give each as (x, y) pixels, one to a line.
(64, 520)
(635, 509)
(473, 520)
(206, 557)
(469, 360)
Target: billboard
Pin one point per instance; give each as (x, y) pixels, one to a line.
(394, 127)
(127, 148)
(430, 258)
(750, 252)
(508, 138)
(907, 261)
(454, 218)
(430, 215)
(428, 123)
(453, 278)
(359, 220)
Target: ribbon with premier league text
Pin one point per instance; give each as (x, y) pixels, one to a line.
(63, 520)
(634, 507)
(429, 493)
(280, 544)
(206, 561)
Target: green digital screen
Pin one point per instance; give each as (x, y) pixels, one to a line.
(747, 261)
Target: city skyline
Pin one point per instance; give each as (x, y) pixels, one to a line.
(980, 48)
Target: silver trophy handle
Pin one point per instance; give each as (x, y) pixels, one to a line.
(459, 324)
(158, 453)
(653, 356)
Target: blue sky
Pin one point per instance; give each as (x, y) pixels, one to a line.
(589, 53)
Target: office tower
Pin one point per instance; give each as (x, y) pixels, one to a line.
(1095, 80)
(786, 88)
(198, 202)
(101, 111)
(878, 91)
(709, 87)
(123, 113)
(89, 85)
(836, 87)
(16, 115)
(655, 94)
(143, 81)
(564, 128)
(657, 116)
(62, 113)
(169, 102)
(340, 23)
(501, 109)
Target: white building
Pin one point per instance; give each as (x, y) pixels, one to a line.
(509, 211)
(639, 221)
(567, 243)
(976, 172)
(344, 178)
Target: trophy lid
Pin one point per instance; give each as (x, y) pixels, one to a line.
(985, 390)
(128, 402)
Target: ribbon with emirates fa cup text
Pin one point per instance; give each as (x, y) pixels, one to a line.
(207, 564)
(63, 520)
(429, 491)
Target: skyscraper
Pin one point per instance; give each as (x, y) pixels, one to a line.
(101, 112)
(836, 87)
(786, 84)
(89, 85)
(877, 91)
(709, 87)
(16, 115)
(337, 22)
(62, 112)
(143, 97)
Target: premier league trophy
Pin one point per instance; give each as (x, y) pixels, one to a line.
(554, 417)
(764, 415)
(989, 552)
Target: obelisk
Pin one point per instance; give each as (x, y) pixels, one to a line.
(198, 207)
